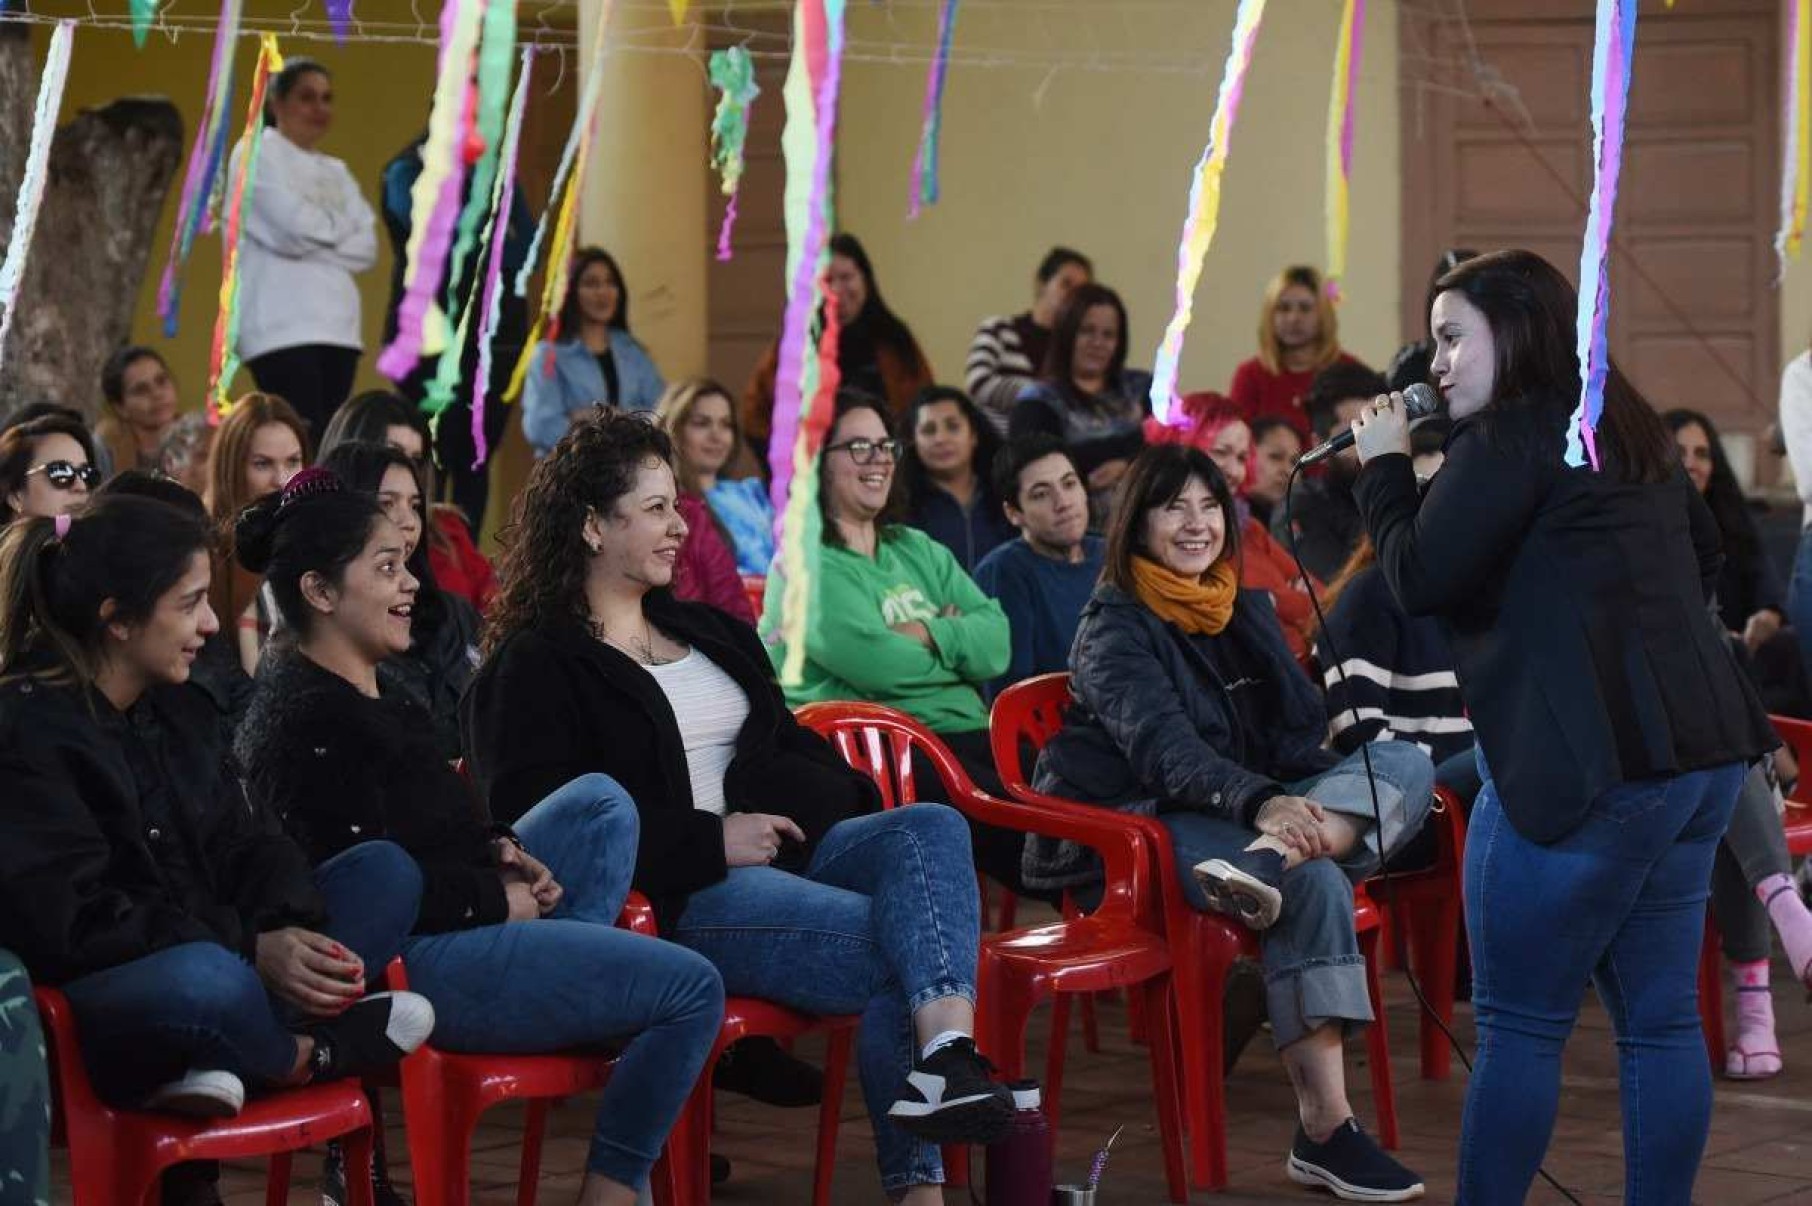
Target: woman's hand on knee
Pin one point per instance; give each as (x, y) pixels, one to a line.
(311, 971)
(752, 839)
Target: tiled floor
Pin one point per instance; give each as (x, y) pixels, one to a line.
(1760, 1149)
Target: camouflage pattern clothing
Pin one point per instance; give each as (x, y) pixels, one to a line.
(24, 1093)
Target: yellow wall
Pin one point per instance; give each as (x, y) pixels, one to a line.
(1102, 161)
(381, 93)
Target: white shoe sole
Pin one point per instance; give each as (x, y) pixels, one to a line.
(980, 1119)
(1304, 1173)
(1243, 897)
(200, 1094)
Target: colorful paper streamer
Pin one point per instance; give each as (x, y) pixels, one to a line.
(421, 326)
(805, 379)
(143, 12)
(223, 360)
(496, 54)
(204, 163)
(1342, 111)
(1204, 204)
(339, 15)
(678, 9)
(503, 198)
(1613, 53)
(1796, 155)
(923, 188)
(560, 241)
(733, 75)
(37, 174)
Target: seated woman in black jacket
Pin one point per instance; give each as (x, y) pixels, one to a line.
(200, 953)
(760, 847)
(443, 630)
(1189, 706)
(339, 761)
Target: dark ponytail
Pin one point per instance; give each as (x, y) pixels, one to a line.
(314, 525)
(126, 548)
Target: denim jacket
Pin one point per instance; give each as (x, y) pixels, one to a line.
(576, 382)
(1154, 729)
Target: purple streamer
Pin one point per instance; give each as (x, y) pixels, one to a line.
(723, 232)
(339, 12)
(204, 164)
(924, 186)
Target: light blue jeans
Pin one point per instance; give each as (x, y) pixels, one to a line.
(573, 979)
(884, 921)
(1621, 899)
(1314, 973)
(1799, 599)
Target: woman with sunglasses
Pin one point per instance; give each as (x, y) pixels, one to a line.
(46, 468)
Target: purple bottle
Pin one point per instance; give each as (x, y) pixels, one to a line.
(1019, 1163)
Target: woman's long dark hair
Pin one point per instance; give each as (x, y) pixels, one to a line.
(569, 306)
(369, 417)
(122, 547)
(877, 323)
(1158, 475)
(849, 401)
(541, 576)
(1532, 309)
(314, 525)
(361, 465)
(19, 447)
(987, 445)
(1723, 495)
(1060, 357)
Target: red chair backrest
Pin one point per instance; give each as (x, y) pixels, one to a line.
(879, 741)
(1028, 713)
(1798, 736)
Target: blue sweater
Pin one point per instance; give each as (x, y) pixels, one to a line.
(1043, 599)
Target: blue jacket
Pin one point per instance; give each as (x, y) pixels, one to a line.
(548, 400)
(1153, 726)
(970, 534)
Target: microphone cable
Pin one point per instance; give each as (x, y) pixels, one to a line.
(1385, 874)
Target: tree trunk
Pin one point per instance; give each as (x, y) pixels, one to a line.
(109, 170)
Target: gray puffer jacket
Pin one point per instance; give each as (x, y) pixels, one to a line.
(1154, 728)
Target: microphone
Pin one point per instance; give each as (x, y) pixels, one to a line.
(1419, 402)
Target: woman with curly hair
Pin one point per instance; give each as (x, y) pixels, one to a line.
(760, 848)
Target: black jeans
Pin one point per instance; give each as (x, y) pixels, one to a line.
(315, 378)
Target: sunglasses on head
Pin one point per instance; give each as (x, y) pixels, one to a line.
(65, 474)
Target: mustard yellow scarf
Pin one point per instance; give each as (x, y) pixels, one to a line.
(1194, 605)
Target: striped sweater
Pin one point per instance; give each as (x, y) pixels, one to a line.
(1004, 358)
(1398, 682)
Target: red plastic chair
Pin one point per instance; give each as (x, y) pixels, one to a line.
(1427, 904)
(755, 589)
(117, 1156)
(1203, 946)
(1116, 946)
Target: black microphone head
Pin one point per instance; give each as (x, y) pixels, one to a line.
(1420, 400)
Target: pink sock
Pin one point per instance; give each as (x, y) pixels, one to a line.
(1755, 1052)
(1792, 921)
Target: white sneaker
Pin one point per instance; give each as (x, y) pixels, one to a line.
(200, 1093)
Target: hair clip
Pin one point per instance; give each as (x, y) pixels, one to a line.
(308, 483)
(62, 524)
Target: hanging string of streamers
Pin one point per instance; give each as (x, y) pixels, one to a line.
(922, 190)
(339, 15)
(37, 172)
(1204, 205)
(421, 326)
(559, 254)
(1796, 155)
(223, 359)
(503, 200)
(205, 158)
(480, 146)
(733, 75)
(1342, 112)
(805, 384)
(143, 13)
(1613, 51)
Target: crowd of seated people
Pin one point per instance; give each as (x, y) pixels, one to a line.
(262, 647)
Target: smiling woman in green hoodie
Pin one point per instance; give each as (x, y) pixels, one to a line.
(897, 620)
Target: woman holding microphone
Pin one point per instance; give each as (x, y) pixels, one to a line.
(1613, 726)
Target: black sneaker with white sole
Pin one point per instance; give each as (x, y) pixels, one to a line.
(1351, 1166)
(953, 1098)
(371, 1035)
(1247, 887)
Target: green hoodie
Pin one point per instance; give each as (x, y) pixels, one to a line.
(852, 652)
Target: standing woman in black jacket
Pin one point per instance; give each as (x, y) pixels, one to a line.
(1614, 726)
(201, 955)
(518, 954)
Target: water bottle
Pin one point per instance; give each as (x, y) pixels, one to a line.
(1019, 1163)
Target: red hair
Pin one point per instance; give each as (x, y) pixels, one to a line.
(1197, 420)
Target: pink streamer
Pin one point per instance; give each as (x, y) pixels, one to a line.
(723, 232)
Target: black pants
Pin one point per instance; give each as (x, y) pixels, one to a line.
(315, 378)
(996, 850)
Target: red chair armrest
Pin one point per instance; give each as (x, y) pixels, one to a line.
(638, 915)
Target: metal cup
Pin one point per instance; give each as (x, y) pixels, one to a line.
(1073, 1195)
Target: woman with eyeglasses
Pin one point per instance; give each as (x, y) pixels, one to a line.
(46, 468)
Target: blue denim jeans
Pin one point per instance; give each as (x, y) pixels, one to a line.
(1314, 973)
(24, 1091)
(884, 921)
(1799, 599)
(200, 1005)
(572, 979)
(1621, 899)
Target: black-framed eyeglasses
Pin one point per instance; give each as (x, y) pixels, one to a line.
(65, 474)
(866, 452)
